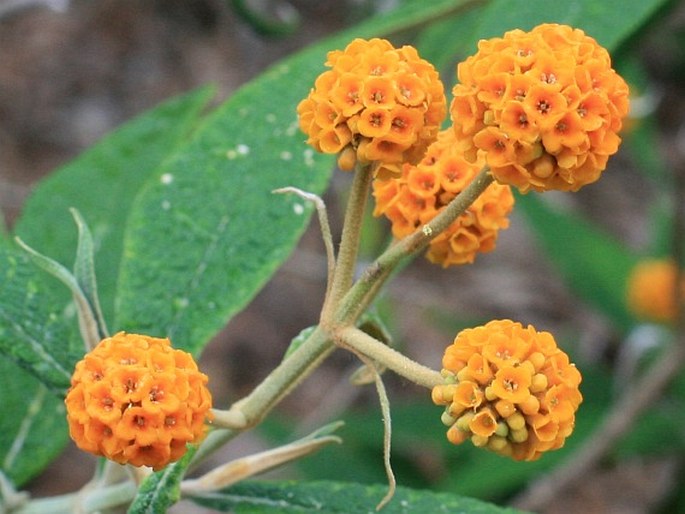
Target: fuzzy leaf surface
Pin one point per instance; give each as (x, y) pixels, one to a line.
(102, 183)
(33, 331)
(207, 234)
(338, 497)
(33, 425)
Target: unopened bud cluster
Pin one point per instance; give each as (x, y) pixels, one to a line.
(509, 389)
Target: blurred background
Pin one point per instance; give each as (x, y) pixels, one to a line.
(71, 71)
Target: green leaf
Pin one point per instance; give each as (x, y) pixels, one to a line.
(87, 318)
(101, 183)
(207, 233)
(610, 22)
(594, 265)
(337, 497)
(33, 332)
(454, 37)
(298, 340)
(32, 426)
(267, 19)
(161, 490)
(448, 41)
(84, 272)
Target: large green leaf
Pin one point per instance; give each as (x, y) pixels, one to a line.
(455, 37)
(337, 497)
(32, 425)
(610, 22)
(207, 233)
(33, 332)
(593, 263)
(101, 184)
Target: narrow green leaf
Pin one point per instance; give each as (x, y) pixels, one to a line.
(161, 490)
(84, 272)
(337, 497)
(86, 317)
(593, 263)
(298, 340)
(101, 183)
(33, 332)
(33, 424)
(610, 22)
(207, 232)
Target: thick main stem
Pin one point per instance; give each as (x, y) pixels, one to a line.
(344, 305)
(349, 241)
(278, 384)
(363, 291)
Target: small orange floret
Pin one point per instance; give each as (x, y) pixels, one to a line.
(134, 399)
(386, 104)
(528, 401)
(551, 90)
(423, 190)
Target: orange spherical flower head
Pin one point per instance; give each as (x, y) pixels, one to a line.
(545, 106)
(508, 388)
(376, 104)
(134, 399)
(651, 290)
(423, 190)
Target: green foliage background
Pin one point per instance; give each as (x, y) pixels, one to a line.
(187, 231)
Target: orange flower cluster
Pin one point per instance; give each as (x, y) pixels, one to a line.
(652, 292)
(423, 190)
(376, 104)
(509, 389)
(544, 105)
(134, 399)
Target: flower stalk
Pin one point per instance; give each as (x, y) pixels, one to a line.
(377, 351)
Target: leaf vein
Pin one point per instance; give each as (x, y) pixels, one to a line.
(38, 348)
(24, 428)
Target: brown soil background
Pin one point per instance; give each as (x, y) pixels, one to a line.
(67, 78)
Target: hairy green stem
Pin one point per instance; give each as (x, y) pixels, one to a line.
(94, 500)
(278, 384)
(363, 291)
(401, 364)
(341, 312)
(349, 242)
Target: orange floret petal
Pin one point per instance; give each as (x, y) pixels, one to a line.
(468, 394)
(483, 423)
(512, 384)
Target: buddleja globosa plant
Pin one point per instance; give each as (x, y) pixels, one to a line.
(538, 111)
